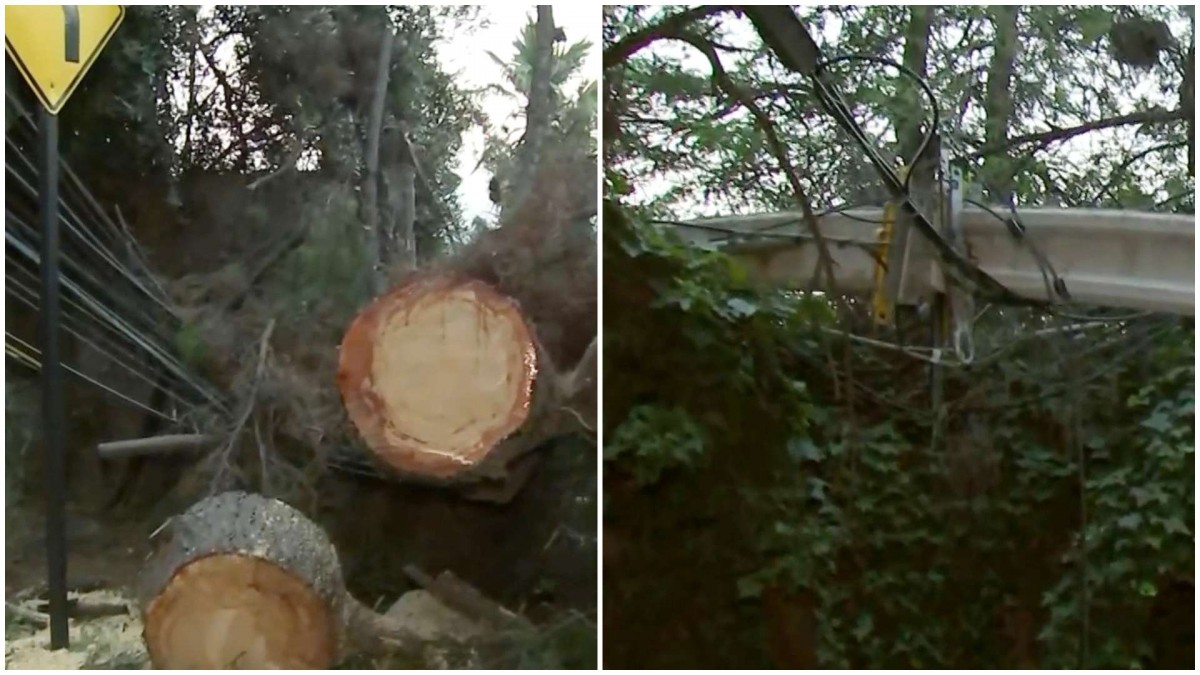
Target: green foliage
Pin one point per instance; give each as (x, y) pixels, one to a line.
(119, 118)
(1139, 536)
(326, 276)
(701, 407)
(712, 324)
(190, 345)
(948, 531)
(676, 126)
(241, 89)
(565, 62)
(574, 119)
(655, 440)
(916, 531)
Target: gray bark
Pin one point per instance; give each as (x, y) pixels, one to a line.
(911, 120)
(538, 112)
(370, 186)
(911, 106)
(239, 523)
(400, 181)
(998, 106)
(1187, 103)
(405, 211)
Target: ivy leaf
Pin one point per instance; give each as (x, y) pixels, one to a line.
(863, 627)
(739, 274)
(803, 450)
(749, 587)
(1142, 495)
(740, 308)
(1158, 421)
(1175, 525)
(1129, 521)
(633, 246)
(816, 489)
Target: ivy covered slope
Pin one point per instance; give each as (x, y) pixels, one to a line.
(782, 488)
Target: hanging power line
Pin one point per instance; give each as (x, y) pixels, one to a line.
(84, 234)
(115, 308)
(114, 321)
(28, 356)
(116, 352)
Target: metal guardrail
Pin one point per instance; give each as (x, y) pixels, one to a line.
(1125, 259)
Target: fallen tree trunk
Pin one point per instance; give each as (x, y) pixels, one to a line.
(243, 581)
(446, 381)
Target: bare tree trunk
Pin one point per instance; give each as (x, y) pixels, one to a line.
(911, 105)
(191, 106)
(1187, 103)
(538, 111)
(401, 175)
(911, 119)
(370, 187)
(997, 169)
(402, 197)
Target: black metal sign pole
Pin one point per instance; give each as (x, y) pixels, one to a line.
(54, 418)
(53, 409)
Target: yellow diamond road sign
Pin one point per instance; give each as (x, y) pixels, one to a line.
(54, 45)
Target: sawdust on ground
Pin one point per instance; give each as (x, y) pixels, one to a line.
(107, 642)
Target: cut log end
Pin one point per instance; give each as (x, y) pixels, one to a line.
(438, 372)
(242, 581)
(237, 611)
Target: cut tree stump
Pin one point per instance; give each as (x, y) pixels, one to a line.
(445, 380)
(242, 581)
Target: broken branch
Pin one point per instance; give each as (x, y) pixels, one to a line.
(237, 429)
(1044, 138)
(155, 445)
(622, 49)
